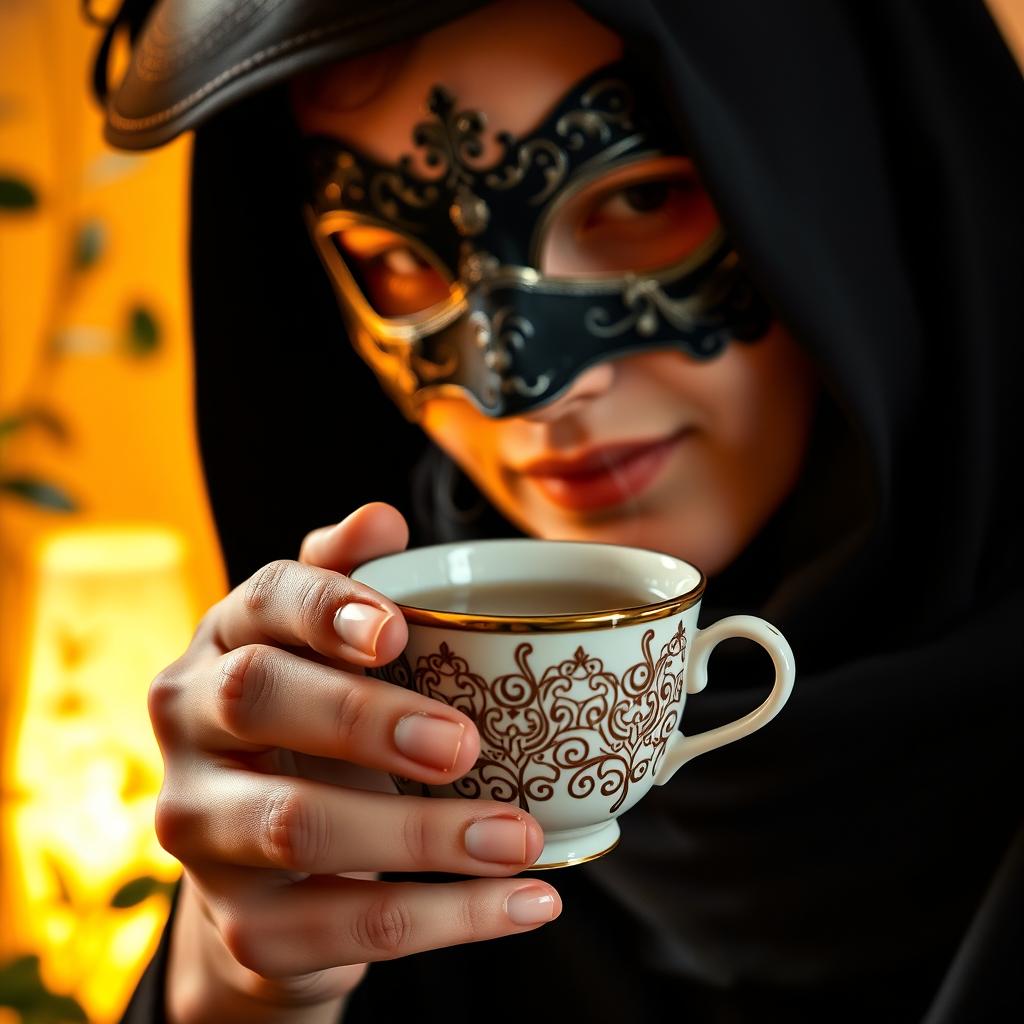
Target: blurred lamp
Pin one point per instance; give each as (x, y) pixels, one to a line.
(113, 606)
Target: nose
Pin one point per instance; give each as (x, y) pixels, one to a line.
(586, 386)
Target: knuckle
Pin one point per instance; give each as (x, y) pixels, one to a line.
(164, 700)
(245, 944)
(414, 836)
(174, 821)
(350, 713)
(296, 831)
(476, 918)
(316, 599)
(384, 928)
(262, 585)
(246, 681)
(207, 625)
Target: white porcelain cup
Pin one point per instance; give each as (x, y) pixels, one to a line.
(578, 712)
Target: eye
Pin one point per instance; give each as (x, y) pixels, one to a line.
(637, 217)
(642, 198)
(634, 201)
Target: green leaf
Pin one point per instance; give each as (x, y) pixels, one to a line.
(63, 1008)
(38, 493)
(23, 989)
(144, 332)
(20, 980)
(38, 417)
(54, 1009)
(132, 893)
(90, 243)
(12, 424)
(16, 195)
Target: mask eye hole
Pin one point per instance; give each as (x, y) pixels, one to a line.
(396, 276)
(644, 216)
(401, 261)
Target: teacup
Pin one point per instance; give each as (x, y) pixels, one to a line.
(574, 660)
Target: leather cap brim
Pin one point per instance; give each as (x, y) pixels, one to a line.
(195, 57)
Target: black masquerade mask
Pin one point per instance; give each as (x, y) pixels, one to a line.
(587, 240)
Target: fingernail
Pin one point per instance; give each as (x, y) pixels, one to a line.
(359, 625)
(499, 840)
(530, 906)
(434, 742)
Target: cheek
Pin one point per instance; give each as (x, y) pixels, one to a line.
(465, 433)
(770, 396)
(753, 407)
(764, 425)
(751, 397)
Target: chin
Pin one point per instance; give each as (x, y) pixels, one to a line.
(703, 543)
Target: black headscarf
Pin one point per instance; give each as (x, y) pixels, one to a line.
(867, 158)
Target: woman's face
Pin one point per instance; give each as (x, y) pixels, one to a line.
(654, 449)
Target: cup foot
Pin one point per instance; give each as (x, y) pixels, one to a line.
(576, 846)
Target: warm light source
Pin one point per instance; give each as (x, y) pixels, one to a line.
(113, 606)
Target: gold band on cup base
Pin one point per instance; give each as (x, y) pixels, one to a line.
(575, 860)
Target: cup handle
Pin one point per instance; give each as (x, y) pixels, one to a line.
(684, 748)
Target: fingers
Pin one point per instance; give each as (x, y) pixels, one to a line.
(371, 531)
(201, 958)
(324, 921)
(295, 825)
(258, 697)
(292, 604)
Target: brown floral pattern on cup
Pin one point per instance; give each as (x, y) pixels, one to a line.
(576, 719)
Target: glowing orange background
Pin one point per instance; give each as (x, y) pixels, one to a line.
(79, 642)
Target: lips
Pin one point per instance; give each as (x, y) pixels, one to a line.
(602, 476)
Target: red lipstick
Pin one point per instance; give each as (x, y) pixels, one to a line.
(600, 477)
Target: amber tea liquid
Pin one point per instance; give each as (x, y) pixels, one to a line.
(530, 597)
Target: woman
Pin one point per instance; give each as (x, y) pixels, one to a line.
(790, 430)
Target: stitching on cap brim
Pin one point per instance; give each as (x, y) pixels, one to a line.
(138, 124)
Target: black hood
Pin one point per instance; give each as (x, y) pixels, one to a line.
(867, 158)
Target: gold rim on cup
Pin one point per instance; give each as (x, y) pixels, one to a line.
(567, 623)
(553, 623)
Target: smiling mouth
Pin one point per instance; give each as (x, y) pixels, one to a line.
(604, 476)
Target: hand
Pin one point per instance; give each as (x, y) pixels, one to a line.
(276, 797)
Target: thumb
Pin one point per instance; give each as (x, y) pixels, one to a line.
(372, 530)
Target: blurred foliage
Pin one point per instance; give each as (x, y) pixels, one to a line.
(23, 990)
(16, 194)
(29, 488)
(37, 492)
(37, 417)
(22, 987)
(141, 339)
(19, 195)
(132, 893)
(89, 245)
(144, 332)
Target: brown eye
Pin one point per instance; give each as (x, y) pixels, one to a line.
(645, 197)
(633, 203)
(639, 217)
